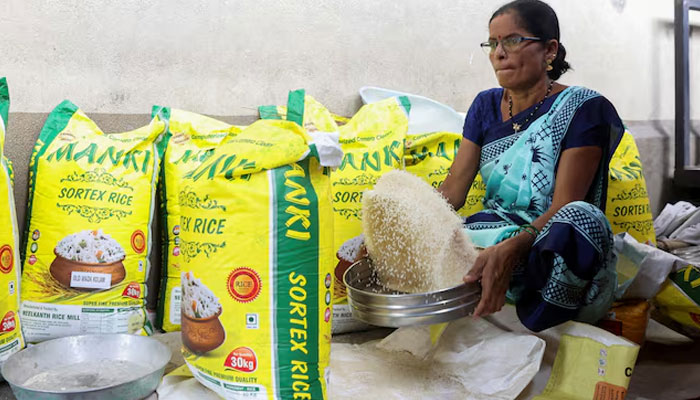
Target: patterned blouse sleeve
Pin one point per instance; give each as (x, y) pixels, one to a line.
(592, 124)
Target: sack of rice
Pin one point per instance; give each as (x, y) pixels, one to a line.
(430, 156)
(627, 206)
(678, 301)
(191, 139)
(413, 236)
(256, 314)
(11, 339)
(88, 234)
(373, 144)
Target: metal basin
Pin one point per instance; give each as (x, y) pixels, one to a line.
(110, 366)
(372, 303)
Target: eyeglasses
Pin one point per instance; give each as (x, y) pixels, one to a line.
(509, 44)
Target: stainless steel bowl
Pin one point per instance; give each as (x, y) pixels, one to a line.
(60, 356)
(370, 302)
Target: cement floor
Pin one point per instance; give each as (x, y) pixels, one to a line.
(667, 368)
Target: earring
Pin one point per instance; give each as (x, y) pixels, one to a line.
(549, 65)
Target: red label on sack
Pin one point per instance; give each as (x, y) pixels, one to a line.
(8, 323)
(242, 359)
(132, 290)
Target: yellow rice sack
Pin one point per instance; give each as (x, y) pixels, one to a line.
(430, 156)
(191, 140)
(256, 313)
(373, 144)
(11, 339)
(627, 206)
(88, 237)
(679, 299)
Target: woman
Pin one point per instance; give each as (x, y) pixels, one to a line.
(542, 149)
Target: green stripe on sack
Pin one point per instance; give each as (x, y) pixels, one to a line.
(296, 282)
(55, 124)
(406, 103)
(295, 106)
(4, 102)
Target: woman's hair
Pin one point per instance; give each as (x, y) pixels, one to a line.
(539, 19)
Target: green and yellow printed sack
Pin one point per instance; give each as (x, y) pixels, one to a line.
(373, 144)
(191, 140)
(92, 199)
(627, 207)
(430, 156)
(257, 285)
(11, 340)
(679, 299)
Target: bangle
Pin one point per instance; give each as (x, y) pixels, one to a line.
(529, 229)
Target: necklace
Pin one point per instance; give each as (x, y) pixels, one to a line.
(516, 126)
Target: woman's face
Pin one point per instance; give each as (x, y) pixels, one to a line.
(522, 67)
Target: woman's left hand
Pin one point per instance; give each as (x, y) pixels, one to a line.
(494, 268)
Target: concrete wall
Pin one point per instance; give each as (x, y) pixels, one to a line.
(226, 57)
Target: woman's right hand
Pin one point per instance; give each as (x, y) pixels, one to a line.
(493, 269)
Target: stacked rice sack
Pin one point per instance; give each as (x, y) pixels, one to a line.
(373, 144)
(430, 156)
(256, 314)
(11, 339)
(413, 236)
(627, 205)
(191, 140)
(88, 238)
(678, 301)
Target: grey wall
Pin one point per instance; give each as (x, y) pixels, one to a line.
(226, 57)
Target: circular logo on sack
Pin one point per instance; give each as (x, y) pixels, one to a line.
(7, 260)
(138, 241)
(244, 284)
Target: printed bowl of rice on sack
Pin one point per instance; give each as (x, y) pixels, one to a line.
(82, 254)
(202, 331)
(89, 227)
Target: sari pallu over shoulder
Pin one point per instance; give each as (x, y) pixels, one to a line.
(519, 169)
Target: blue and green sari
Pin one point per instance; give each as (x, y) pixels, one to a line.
(570, 271)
